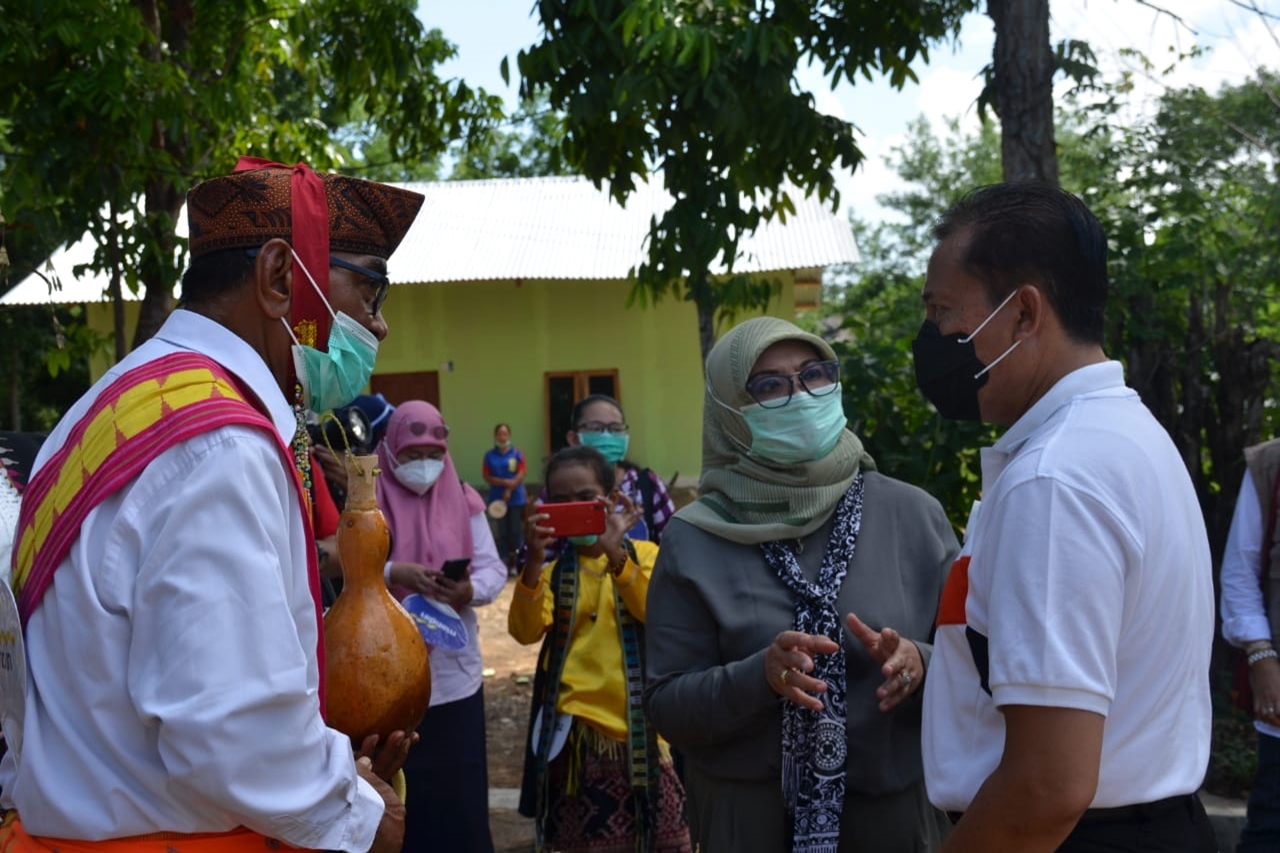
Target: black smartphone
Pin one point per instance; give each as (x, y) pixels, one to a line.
(456, 570)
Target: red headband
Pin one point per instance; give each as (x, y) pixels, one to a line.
(310, 215)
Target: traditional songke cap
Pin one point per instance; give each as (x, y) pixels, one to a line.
(316, 212)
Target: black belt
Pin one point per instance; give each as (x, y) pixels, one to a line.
(1116, 814)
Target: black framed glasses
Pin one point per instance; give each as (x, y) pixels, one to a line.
(774, 390)
(382, 281)
(600, 426)
(381, 285)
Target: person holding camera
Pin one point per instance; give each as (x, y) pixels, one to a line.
(438, 522)
(596, 776)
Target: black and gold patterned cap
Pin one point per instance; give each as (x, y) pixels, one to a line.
(247, 208)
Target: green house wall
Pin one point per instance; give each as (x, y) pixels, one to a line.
(492, 342)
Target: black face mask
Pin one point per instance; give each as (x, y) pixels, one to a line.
(945, 371)
(947, 368)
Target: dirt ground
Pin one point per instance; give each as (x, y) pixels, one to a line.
(507, 691)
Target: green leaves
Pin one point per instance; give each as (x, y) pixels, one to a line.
(706, 92)
(111, 108)
(1190, 201)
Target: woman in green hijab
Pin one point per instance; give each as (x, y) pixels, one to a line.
(799, 725)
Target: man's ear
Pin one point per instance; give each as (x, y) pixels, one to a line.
(273, 278)
(1031, 305)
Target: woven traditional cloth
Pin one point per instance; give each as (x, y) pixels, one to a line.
(248, 208)
(137, 417)
(814, 743)
(592, 804)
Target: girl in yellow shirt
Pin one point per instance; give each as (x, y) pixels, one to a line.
(596, 776)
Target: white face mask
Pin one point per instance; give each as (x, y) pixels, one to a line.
(419, 475)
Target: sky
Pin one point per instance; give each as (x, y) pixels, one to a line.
(1237, 39)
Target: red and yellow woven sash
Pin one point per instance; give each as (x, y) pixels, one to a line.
(136, 418)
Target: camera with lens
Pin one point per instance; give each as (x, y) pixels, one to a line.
(340, 429)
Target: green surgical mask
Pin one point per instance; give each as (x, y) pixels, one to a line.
(585, 541)
(612, 447)
(333, 379)
(805, 429)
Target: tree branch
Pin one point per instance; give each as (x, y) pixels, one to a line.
(1252, 6)
(1160, 10)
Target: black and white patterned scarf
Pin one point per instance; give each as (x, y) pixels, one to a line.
(814, 744)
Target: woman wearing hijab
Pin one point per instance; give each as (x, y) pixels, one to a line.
(434, 518)
(799, 724)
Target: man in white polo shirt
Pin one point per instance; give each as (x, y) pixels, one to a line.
(1067, 701)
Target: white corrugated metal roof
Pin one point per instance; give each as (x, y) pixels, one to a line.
(557, 228)
(528, 228)
(60, 266)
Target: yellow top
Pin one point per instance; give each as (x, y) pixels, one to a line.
(593, 686)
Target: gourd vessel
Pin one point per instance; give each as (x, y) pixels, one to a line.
(377, 668)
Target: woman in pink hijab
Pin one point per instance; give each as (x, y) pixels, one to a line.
(434, 517)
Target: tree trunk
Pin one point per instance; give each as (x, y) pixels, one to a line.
(163, 204)
(706, 331)
(1023, 63)
(15, 395)
(117, 293)
(171, 25)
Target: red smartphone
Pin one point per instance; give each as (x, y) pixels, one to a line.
(455, 570)
(574, 518)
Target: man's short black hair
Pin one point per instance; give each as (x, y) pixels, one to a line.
(210, 276)
(1035, 233)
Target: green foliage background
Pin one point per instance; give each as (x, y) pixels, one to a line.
(1190, 199)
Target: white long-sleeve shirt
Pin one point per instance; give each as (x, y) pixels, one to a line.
(1244, 614)
(173, 681)
(456, 673)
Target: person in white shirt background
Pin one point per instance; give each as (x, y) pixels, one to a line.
(434, 518)
(1250, 614)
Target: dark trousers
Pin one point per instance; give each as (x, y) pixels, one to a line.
(1261, 832)
(1170, 826)
(447, 782)
(508, 534)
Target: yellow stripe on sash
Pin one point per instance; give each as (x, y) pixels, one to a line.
(138, 408)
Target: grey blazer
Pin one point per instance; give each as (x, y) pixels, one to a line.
(715, 605)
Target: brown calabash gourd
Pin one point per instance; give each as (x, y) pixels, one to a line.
(377, 668)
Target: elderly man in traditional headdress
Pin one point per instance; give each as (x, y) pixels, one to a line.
(165, 568)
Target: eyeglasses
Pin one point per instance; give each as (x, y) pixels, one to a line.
(600, 426)
(439, 432)
(382, 283)
(774, 390)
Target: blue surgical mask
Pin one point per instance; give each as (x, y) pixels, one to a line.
(333, 379)
(585, 541)
(612, 447)
(805, 429)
